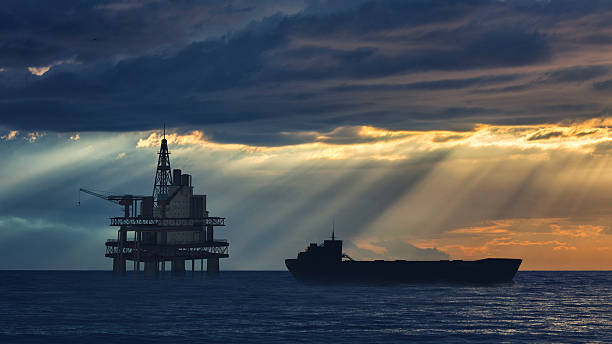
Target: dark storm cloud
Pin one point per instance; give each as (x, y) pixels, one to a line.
(38, 33)
(545, 136)
(578, 74)
(561, 8)
(508, 47)
(428, 85)
(557, 76)
(129, 65)
(603, 85)
(506, 89)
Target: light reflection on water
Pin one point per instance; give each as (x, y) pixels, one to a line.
(272, 307)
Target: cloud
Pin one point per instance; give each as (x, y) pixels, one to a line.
(443, 84)
(545, 135)
(39, 71)
(56, 245)
(533, 238)
(125, 5)
(577, 73)
(392, 250)
(35, 135)
(98, 30)
(566, 248)
(271, 68)
(10, 136)
(582, 231)
(603, 85)
(507, 47)
(364, 142)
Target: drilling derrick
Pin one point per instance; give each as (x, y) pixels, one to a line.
(163, 175)
(171, 226)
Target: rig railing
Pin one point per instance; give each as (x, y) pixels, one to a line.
(163, 253)
(167, 222)
(131, 243)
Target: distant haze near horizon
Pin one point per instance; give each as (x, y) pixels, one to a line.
(423, 129)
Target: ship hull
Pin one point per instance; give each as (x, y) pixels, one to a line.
(489, 270)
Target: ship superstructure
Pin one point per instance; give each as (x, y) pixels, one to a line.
(171, 226)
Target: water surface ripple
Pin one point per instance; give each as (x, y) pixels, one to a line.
(271, 307)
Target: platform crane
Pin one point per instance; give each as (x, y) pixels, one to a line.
(126, 201)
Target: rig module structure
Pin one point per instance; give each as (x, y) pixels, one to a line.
(172, 226)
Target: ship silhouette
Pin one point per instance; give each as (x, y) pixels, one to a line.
(328, 263)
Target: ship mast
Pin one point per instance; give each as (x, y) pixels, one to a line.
(334, 229)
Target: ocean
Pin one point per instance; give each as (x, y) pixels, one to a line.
(271, 307)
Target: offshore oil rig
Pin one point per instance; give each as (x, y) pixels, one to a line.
(172, 226)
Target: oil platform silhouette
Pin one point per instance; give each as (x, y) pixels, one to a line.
(171, 226)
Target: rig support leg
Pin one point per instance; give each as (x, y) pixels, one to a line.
(212, 266)
(210, 233)
(119, 266)
(137, 238)
(178, 267)
(150, 269)
(119, 260)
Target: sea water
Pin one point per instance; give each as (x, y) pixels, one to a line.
(271, 307)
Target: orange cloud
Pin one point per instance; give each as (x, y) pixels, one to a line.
(583, 231)
(366, 142)
(196, 137)
(35, 135)
(495, 228)
(11, 135)
(39, 71)
(366, 245)
(564, 248)
(543, 243)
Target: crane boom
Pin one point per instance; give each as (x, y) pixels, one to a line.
(126, 201)
(95, 194)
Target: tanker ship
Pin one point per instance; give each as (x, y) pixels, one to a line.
(327, 263)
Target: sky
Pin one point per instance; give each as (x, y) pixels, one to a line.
(422, 129)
